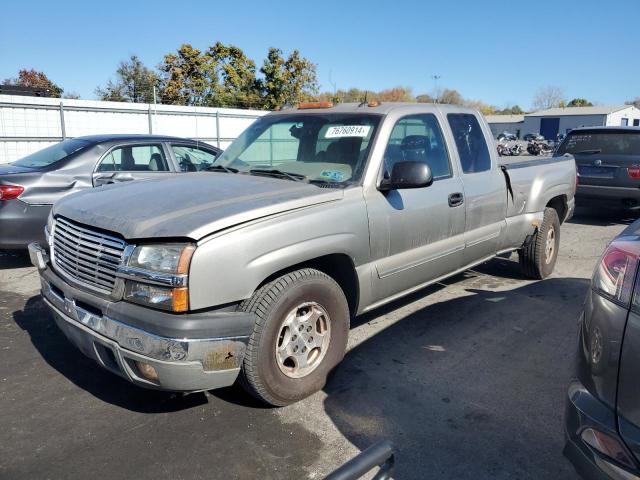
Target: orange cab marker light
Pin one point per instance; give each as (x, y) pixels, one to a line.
(304, 106)
(373, 103)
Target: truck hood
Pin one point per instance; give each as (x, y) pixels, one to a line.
(188, 205)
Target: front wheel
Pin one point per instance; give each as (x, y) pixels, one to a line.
(300, 334)
(538, 258)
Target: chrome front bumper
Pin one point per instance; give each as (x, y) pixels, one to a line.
(181, 364)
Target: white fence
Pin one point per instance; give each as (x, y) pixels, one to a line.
(28, 124)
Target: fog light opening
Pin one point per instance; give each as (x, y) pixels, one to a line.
(147, 371)
(606, 445)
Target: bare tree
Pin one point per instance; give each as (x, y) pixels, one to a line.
(548, 97)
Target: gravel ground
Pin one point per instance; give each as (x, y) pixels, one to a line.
(467, 378)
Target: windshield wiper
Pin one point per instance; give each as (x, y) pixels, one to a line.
(221, 169)
(590, 152)
(296, 177)
(328, 184)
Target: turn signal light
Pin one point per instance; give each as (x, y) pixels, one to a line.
(304, 106)
(10, 192)
(634, 172)
(147, 371)
(607, 445)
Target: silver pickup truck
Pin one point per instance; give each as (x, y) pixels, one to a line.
(313, 215)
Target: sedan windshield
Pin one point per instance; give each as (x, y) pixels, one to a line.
(617, 142)
(331, 148)
(50, 155)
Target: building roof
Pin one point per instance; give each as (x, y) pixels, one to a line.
(596, 110)
(504, 118)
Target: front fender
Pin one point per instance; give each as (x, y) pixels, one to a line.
(230, 266)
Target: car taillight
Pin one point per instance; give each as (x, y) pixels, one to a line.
(614, 274)
(10, 192)
(634, 172)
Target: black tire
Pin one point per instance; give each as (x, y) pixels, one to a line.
(261, 375)
(534, 261)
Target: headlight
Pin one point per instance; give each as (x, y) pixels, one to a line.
(157, 276)
(172, 258)
(166, 298)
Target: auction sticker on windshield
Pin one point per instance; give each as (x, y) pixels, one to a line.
(347, 131)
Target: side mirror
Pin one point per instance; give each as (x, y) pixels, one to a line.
(407, 175)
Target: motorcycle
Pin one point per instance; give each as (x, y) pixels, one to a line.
(505, 150)
(536, 148)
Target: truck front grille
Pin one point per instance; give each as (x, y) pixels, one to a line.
(88, 256)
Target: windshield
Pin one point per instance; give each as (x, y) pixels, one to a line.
(331, 148)
(50, 155)
(599, 141)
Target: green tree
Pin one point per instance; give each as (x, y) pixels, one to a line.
(188, 77)
(579, 102)
(134, 83)
(236, 83)
(451, 96)
(425, 98)
(287, 81)
(35, 79)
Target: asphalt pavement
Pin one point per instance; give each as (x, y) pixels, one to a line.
(468, 379)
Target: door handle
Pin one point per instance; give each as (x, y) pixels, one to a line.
(456, 199)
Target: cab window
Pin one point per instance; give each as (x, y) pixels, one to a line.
(418, 138)
(134, 158)
(193, 159)
(470, 142)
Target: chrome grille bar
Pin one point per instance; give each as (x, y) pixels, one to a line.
(88, 256)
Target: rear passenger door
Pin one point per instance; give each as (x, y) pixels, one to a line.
(124, 163)
(485, 195)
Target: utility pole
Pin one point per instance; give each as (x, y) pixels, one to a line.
(435, 79)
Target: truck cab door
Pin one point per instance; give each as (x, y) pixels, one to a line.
(484, 187)
(416, 235)
(125, 163)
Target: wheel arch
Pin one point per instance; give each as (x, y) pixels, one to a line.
(339, 266)
(560, 205)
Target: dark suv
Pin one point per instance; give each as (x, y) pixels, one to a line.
(602, 422)
(608, 160)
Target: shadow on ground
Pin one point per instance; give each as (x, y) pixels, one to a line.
(471, 387)
(602, 217)
(56, 350)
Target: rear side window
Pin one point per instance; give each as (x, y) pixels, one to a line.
(472, 147)
(135, 158)
(193, 159)
(418, 138)
(614, 274)
(50, 155)
(608, 143)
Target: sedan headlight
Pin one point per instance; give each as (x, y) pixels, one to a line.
(157, 276)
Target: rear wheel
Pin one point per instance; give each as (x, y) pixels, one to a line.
(300, 334)
(538, 258)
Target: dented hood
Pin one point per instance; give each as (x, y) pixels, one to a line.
(188, 205)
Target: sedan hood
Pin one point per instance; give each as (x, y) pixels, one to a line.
(188, 205)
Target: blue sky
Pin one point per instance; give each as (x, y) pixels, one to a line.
(497, 51)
